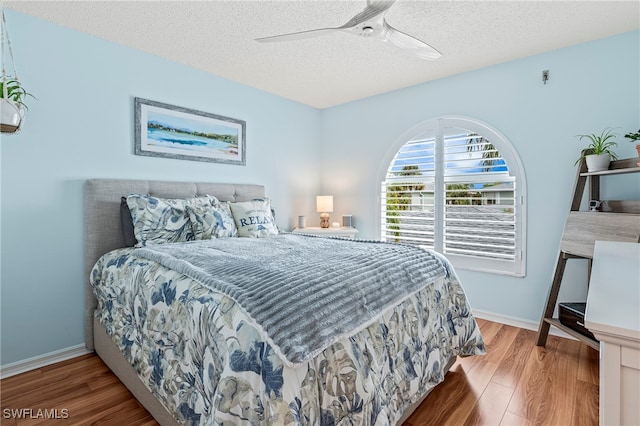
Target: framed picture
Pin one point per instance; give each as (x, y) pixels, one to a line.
(163, 130)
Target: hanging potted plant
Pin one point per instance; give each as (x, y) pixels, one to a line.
(599, 153)
(634, 138)
(12, 94)
(12, 106)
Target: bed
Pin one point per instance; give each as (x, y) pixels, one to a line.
(195, 348)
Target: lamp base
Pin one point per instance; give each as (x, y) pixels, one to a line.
(324, 220)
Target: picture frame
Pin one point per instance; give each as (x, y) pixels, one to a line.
(164, 130)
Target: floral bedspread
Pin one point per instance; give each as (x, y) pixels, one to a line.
(207, 362)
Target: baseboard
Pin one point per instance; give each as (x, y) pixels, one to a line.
(42, 360)
(518, 322)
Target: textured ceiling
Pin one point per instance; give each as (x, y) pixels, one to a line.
(218, 37)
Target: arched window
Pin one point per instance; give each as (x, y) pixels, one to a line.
(457, 186)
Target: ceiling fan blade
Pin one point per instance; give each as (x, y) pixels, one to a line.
(409, 43)
(297, 36)
(369, 13)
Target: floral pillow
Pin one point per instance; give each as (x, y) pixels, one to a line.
(254, 218)
(213, 221)
(126, 224)
(162, 220)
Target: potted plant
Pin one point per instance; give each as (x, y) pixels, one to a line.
(12, 94)
(599, 152)
(12, 106)
(634, 138)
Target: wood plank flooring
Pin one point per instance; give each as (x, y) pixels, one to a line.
(516, 383)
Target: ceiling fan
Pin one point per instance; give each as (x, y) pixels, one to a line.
(369, 23)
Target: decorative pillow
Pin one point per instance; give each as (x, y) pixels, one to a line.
(214, 221)
(126, 223)
(162, 220)
(254, 218)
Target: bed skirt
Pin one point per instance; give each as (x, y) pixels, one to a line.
(113, 358)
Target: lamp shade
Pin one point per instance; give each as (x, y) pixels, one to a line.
(324, 203)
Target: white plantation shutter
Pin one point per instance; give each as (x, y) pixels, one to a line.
(408, 191)
(452, 190)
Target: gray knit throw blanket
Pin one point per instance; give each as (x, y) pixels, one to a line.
(305, 292)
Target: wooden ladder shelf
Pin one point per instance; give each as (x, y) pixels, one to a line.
(616, 221)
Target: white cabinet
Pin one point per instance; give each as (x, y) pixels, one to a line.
(613, 315)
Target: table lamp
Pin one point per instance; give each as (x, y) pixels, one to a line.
(324, 206)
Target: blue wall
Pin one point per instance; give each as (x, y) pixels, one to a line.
(592, 86)
(81, 127)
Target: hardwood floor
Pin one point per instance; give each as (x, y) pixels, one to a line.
(516, 383)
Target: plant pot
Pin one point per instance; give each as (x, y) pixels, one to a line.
(598, 163)
(638, 149)
(11, 116)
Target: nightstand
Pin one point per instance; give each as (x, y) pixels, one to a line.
(328, 232)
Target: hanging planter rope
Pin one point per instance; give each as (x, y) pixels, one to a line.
(12, 108)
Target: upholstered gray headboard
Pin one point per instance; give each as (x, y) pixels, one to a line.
(102, 231)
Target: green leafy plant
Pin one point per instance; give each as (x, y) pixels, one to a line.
(599, 144)
(634, 137)
(15, 92)
(399, 198)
